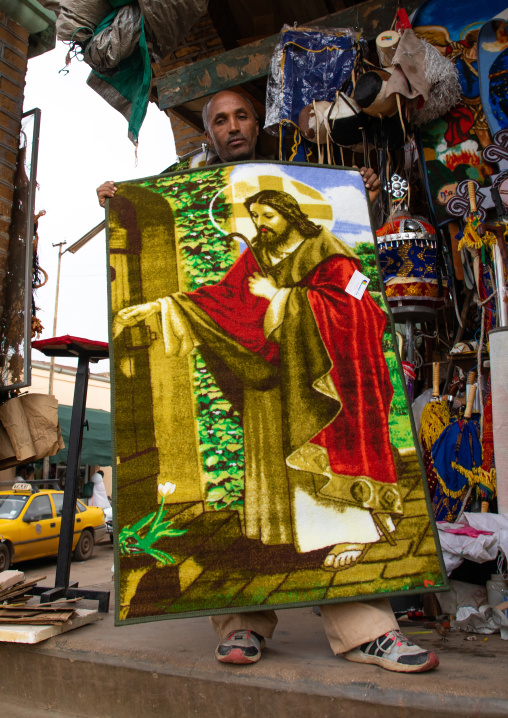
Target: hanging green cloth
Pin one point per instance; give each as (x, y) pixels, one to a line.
(127, 88)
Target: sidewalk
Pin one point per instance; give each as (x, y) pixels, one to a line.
(167, 669)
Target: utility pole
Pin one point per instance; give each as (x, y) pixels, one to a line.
(45, 463)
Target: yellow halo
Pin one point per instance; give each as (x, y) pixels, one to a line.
(311, 202)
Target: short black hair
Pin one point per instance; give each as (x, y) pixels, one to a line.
(204, 113)
(288, 207)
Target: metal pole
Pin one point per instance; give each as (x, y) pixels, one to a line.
(45, 462)
(63, 564)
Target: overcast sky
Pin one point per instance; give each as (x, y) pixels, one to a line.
(83, 142)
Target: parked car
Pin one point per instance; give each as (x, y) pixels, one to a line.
(30, 522)
(108, 515)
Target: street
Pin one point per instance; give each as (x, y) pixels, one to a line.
(95, 571)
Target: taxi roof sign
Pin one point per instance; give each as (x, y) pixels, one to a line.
(22, 487)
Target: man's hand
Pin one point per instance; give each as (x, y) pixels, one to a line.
(371, 182)
(262, 286)
(137, 313)
(107, 189)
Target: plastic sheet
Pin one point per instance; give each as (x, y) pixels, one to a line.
(317, 62)
(53, 5)
(116, 42)
(484, 547)
(168, 22)
(120, 39)
(485, 620)
(79, 18)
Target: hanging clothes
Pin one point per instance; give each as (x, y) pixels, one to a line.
(307, 64)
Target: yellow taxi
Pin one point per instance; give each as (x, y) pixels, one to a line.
(30, 523)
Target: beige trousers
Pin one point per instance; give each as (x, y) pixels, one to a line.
(347, 625)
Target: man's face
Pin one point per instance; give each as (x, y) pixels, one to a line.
(232, 128)
(272, 228)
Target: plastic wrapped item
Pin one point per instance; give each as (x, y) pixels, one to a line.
(53, 5)
(116, 42)
(421, 73)
(79, 18)
(484, 620)
(307, 64)
(462, 594)
(124, 45)
(167, 23)
(491, 538)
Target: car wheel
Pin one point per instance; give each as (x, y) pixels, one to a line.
(84, 549)
(5, 557)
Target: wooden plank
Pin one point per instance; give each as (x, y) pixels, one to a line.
(20, 588)
(251, 62)
(10, 578)
(20, 633)
(212, 74)
(43, 619)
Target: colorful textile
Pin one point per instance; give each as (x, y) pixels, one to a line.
(451, 146)
(435, 418)
(313, 66)
(126, 89)
(407, 257)
(457, 451)
(447, 508)
(396, 289)
(409, 263)
(493, 71)
(260, 416)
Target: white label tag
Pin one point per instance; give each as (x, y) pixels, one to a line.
(357, 284)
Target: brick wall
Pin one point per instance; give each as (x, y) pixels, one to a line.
(186, 137)
(13, 64)
(202, 41)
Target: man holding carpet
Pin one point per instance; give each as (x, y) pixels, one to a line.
(281, 292)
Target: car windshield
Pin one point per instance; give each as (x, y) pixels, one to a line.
(12, 505)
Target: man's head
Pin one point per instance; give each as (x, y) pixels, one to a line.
(276, 214)
(231, 125)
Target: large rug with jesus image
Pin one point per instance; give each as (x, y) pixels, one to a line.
(265, 452)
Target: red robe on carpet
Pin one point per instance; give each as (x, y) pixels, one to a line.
(350, 332)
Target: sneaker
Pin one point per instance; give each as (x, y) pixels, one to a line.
(240, 647)
(394, 652)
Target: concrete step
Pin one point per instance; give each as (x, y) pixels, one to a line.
(166, 669)
(11, 710)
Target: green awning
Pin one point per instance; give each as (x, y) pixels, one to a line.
(96, 447)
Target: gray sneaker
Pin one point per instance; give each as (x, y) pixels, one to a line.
(394, 652)
(240, 647)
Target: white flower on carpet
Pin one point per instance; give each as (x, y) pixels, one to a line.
(166, 489)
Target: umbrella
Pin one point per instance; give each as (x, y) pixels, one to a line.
(435, 418)
(457, 457)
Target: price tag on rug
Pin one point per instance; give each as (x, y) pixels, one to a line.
(357, 284)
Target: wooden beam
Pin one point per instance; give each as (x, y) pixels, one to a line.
(250, 62)
(221, 72)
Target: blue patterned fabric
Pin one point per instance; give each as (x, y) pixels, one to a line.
(408, 259)
(447, 508)
(459, 443)
(314, 66)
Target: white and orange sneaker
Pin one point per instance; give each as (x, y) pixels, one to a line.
(394, 652)
(240, 647)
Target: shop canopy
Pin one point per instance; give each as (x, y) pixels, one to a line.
(96, 447)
